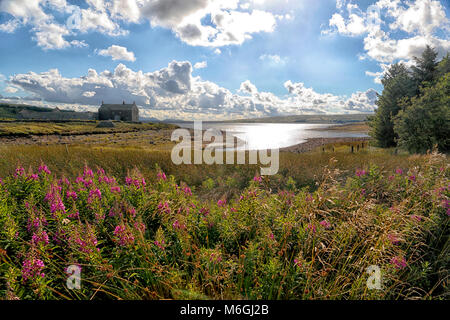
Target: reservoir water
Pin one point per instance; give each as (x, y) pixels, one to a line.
(263, 136)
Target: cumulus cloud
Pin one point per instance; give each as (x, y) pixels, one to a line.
(118, 53)
(201, 65)
(274, 60)
(211, 23)
(393, 30)
(173, 92)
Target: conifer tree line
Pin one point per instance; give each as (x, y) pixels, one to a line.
(414, 108)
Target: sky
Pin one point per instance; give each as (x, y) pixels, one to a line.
(212, 59)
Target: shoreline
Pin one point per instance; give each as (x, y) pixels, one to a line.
(314, 143)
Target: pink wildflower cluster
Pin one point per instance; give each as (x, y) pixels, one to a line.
(163, 207)
(135, 182)
(187, 191)
(177, 226)
(393, 239)
(72, 195)
(20, 171)
(32, 268)
(215, 258)
(40, 237)
(84, 240)
(257, 179)
(161, 176)
(360, 173)
(325, 224)
(221, 203)
(53, 197)
(159, 244)
(94, 193)
(311, 227)
(399, 262)
(44, 168)
(124, 236)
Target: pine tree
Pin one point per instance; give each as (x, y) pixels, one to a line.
(398, 84)
(424, 71)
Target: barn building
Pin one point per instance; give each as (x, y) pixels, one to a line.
(119, 112)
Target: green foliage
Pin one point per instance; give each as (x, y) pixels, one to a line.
(397, 85)
(425, 122)
(148, 237)
(424, 70)
(413, 110)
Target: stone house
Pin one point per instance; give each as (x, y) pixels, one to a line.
(119, 112)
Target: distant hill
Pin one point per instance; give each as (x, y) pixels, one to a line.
(12, 111)
(319, 118)
(306, 118)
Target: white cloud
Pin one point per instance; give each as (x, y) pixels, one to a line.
(173, 92)
(11, 90)
(118, 53)
(273, 59)
(79, 44)
(229, 23)
(201, 65)
(10, 26)
(418, 22)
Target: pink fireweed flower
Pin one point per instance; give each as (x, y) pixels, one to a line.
(448, 212)
(393, 239)
(164, 207)
(94, 194)
(187, 191)
(34, 177)
(391, 178)
(74, 215)
(40, 237)
(124, 236)
(161, 176)
(399, 262)
(132, 212)
(221, 203)
(139, 226)
(360, 173)
(311, 227)
(20, 171)
(88, 172)
(215, 258)
(257, 179)
(100, 171)
(84, 240)
(271, 236)
(309, 198)
(32, 268)
(412, 178)
(399, 171)
(71, 195)
(159, 244)
(88, 183)
(177, 226)
(325, 224)
(115, 189)
(297, 263)
(44, 168)
(233, 210)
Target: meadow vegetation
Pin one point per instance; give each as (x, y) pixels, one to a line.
(142, 228)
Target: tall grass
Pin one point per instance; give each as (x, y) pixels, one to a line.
(148, 236)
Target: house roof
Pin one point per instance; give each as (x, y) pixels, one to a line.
(119, 106)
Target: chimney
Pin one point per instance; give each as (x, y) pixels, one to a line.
(123, 101)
